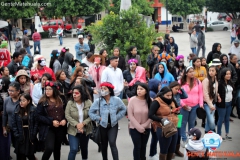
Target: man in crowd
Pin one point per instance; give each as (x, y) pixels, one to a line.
(25, 42)
(235, 49)
(15, 63)
(36, 37)
(81, 48)
(152, 59)
(201, 42)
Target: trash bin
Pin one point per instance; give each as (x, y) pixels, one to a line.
(181, 25)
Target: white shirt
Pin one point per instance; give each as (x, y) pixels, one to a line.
(229, 90)
(235, 50)
(115, 77)
(233, 33)
(84, 60)
(80, 111)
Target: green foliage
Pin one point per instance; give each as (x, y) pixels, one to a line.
(129, 30)
(185, 7)
(230, 7)
(143, 6)
(209, 29)
(18, 9)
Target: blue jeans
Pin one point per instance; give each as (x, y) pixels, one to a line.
(153, 145)
(74, 142)
(140, 143)
(210, 123)
(37, 44)
(224, 116)
(188, 117)
(194, 50)
(232, 39)
(14, 36)
(28, 50)
(60, 40)
(167, 145)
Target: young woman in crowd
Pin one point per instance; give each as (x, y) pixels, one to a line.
(4, 72)
(178, 94)
(178, 68)
(216, 48)
(62, 55)
(163, 75)
(24, 126)
(39, 88)
(199, 72)
(140, 124)
(54, 62)
(96, 71)
(89, 90)
(204, 62)
(23, 79)
(210, 96)
(104, 54)
(190, 58)
(51, 121)
(132, 53)
(193, 88)
(9, 106)
(161, 113)
(224, 107)
(121, 60)
(108, 110)
(80, 125)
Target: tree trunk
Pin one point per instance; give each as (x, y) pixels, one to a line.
(236, 21)
(185, 24)
(72, 22)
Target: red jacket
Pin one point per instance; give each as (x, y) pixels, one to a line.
(5, 57)
(36, 36)
(37, 74)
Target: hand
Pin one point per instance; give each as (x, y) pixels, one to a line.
(155, 55)
(219, 100)
(55, 123)
(95, 91)
(212, 108)
(126, 84)
(81, 50)
(202, 107)
(4, 132)
(185, 107)
(63, 122)
(80, 126)
(176, 110)
(237, 65)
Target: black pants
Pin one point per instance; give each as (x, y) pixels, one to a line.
(109, 134)
(24, 157)
(53, 143)
(13, 140)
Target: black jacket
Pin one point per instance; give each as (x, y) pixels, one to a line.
(214, 50)
(222, 94)
(12, 67)
(91, 46)
(121, 63)
(151, 62)
(127, 76)
(32, 124)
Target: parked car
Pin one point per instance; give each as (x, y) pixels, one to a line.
(222, 16)
(219, 25)
(54, 25)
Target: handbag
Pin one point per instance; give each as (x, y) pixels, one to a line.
(169, 129)
(96, 135)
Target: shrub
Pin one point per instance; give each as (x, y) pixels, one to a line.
(209, 29)
(44, 34)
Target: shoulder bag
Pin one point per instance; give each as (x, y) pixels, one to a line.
(96, 135)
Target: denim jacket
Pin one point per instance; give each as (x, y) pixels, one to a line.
(180, 95)
(115, 108)
(79, 53)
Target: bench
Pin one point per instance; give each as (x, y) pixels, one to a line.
(74, 32)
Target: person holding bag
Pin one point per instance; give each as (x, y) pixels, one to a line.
(162, 112)
(80, 125)
(110, 110)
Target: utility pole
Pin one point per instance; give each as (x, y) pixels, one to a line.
(206, 20)
(167, 16)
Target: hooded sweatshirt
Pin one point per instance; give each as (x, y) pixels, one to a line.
(214, 50)
(67, 64)
(172, 47)
(230, 66)
(153, 87)
(26, 86)
(166, 78)
(195, 149)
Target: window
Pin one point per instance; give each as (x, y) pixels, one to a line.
(59, 23)
(214, 23)
(52, 23)
(99, 16)
(220, 23)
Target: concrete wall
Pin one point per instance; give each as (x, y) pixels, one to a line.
(164, 17)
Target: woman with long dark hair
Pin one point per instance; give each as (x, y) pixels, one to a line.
(193, 88)
(77, 116)
(178, 68)
(132, 54)
(54, 62)
(4, 72)
(210, 97)
(199, 71)
(224, 106)
(62, 55)
(121, 60)
(24, 125)
(108, 110)
(162, 110)
(140, 124)
(104, 54)
(51, 121)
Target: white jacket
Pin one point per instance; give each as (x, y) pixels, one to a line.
(193, 41)
(37, 93)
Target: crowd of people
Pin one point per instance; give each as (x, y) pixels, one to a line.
(43, 107)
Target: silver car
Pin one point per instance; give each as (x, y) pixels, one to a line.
(219, 25)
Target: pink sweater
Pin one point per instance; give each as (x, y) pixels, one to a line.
(92, 71)
(36, 36)
(195, 95)
(138, 114)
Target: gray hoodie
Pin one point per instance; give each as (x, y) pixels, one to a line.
(196, 147)
(67, 64)
(18, 46)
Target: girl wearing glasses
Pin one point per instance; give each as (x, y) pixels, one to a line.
(9, 106)
(24, 126)
(52, 120)
(80, 125)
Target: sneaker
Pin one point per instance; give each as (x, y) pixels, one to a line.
(233, 115)
(228, 138)
(230, 119)
(183, 144)
(155, 157)
(119, 128)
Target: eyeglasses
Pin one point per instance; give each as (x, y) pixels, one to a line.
(11, 91)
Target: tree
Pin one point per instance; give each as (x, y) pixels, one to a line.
(230, 7)
(74, 8)
(18, 9)
(143, 6)
(185, 7)
(129, 30)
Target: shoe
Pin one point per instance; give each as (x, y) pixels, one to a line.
(155, 157)
(203, 124)
(183, 144)
(230, 119)
(177, 151)
(238, 117)
(169, 156)
(228, 138)
(233, 115)
(162, 157)
(119, 128)
(195, 123)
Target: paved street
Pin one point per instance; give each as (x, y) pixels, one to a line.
(124, 142)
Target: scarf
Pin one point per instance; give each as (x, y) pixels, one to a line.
(97, 70)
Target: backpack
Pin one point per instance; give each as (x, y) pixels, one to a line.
(26, 61)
